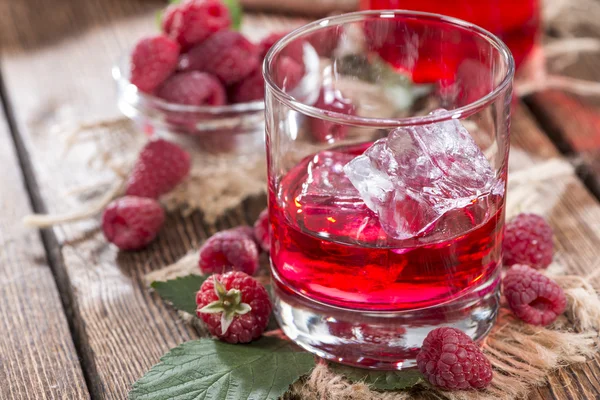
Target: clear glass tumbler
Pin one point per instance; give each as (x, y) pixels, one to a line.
(386, 192)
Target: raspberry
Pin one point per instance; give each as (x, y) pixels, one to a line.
(193, 88)
(533, 297)
(289, 73)
(294, 50)
(132, 222)
(528, 240)
(160, 167)
(451, 360)
(325, 41)
(226, 54)
(261, 230)
(230, 250)
(234, 306)
(251, 88)
(191, 22)
(245, 229)
(327, 131)
(153, 59)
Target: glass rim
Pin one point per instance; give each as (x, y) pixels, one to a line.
(359, 121)
(119, 74)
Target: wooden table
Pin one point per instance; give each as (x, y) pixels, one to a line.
(76, 320)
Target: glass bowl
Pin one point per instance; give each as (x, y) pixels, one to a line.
(237, 128)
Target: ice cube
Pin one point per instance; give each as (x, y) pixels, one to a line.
(330, 206)
(326, 177)
(418, 174)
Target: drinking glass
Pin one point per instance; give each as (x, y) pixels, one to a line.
(386, 194)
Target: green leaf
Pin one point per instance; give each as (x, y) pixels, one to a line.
(209, 369)
(158, 18)
(380, 380)
(180, 292)
(236, 12)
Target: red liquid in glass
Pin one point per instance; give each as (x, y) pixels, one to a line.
(515, 22)
(331, 247)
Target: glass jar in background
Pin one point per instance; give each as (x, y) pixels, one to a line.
(515, 22)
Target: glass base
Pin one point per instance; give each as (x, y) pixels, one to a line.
(380, 340)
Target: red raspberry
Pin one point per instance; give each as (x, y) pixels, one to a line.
(245, 230)
(193, 88)
(191, 22)
(132, 222)
(226, 54)
(251, 88)
(262, 230)
(451, 360)
(533, 297)
(160, 167)
(230, 250)
(325, 41)
(289, 73)
(153, 59)
(327, 131)
(294, 50)
(234, 306)
(528, 240)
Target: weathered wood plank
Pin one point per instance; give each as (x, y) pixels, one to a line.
(573, 122)
(125, 328)
(54, 83)
(37, 355)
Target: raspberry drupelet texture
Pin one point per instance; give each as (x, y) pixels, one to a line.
(450, 360)
(234, 306)
(250, 89)
(528, 240)
(245, 229)
(533, 297)
(153, 59)
(193, 88)
(192, 21)
(262, 230)
(230, 250)
(226, 54)
(131, 222)
(160, 167)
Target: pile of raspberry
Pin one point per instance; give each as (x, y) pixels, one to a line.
(199, 60)
(234, 306)
(449, 358)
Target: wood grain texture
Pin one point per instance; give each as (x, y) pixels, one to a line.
(37, 356)
(573, 122)
(124, 329)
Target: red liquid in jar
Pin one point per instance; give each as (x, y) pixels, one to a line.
(515, 22)
(331, 248)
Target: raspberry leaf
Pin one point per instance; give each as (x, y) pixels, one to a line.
(209, 369)
(380, 380)
(180, 292)
(235, 11)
